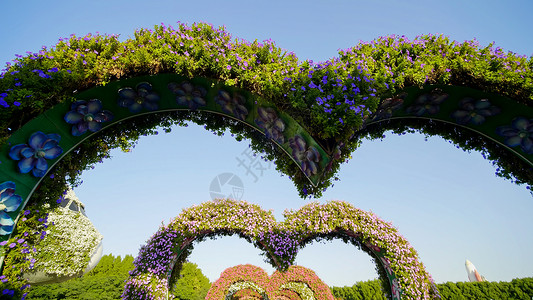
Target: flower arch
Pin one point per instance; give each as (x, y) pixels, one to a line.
(238, 278)
(159, 261)
(296, 282)
(62, 109)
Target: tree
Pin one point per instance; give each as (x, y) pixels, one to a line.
(105, 281)
(192, 284)
(516, 289)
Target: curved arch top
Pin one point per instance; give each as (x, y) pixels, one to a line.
(492, 117)
(312, 115)
(60, 130)
(330, 100)
(159, 261)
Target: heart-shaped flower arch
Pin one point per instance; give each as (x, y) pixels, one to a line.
(159, 261)
(300, 280)
(308, 118)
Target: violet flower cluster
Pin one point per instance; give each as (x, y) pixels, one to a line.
(283, 247)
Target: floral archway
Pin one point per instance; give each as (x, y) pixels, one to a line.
(296, 282)
(159, 261)
(62, 109)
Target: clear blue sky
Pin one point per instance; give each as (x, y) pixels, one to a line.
(447, 203)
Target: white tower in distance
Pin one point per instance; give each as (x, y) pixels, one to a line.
(473, 274)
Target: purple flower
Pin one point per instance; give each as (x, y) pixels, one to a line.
(308, 157)
(474, 111)
(33, 156)
(141, 97)
(271, 124)
(427, 103)
(9, 202)
(282, 244)
(87, 115)
(233, 105)
(188, 94)
(520, 133)
(42, 74)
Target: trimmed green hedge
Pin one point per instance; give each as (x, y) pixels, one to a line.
(516, 289)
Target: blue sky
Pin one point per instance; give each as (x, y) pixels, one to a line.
(446, 202)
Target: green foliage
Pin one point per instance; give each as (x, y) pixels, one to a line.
(109, 288)
(110, 265)
(360, 291)
(516, 289)
(192, 284)
(105, 281)
(345, 91)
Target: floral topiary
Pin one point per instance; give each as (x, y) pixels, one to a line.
(402, 274)
(302, 281)
(69, 244)
(368, 89)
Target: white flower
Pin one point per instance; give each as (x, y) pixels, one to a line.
(68, 245)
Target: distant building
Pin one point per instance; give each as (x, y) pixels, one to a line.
(473, 274)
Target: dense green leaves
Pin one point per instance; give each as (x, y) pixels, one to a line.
(105, 281)
(192, 283)
(516, 289)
